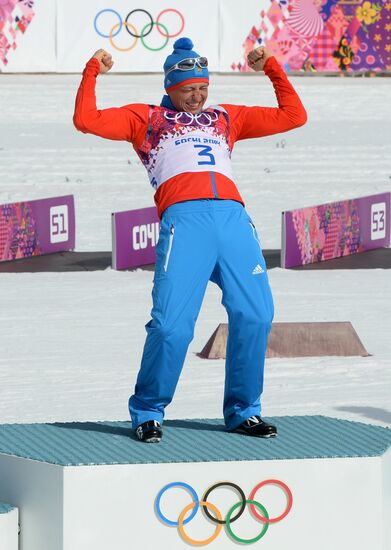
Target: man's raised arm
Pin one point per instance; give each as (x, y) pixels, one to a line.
(251, 122)
(126, 123)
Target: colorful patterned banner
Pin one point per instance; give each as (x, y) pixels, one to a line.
(15, 17)
(37, 227)
(335, 229)
(323, 35)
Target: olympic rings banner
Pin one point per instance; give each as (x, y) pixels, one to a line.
(214, 516)
(138, 35)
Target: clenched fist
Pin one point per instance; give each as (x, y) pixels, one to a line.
(257, 58)
(105, 60)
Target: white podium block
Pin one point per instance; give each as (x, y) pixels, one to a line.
(93, 485)
(9, 528)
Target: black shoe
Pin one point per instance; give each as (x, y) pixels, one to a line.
(150, 431)
(256, 427)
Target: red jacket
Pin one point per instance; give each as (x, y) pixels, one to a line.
(161, 136)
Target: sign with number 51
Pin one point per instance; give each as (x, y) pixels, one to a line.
(59, 232)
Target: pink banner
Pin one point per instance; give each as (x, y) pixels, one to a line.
(15, 17)
(335, 229)
(323, 35)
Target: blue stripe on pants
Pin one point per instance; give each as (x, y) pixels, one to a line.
(199, 241)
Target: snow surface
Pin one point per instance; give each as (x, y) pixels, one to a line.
(71, 342)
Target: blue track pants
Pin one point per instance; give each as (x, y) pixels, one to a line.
(199, 241)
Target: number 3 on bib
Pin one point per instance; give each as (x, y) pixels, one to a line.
(205, 152)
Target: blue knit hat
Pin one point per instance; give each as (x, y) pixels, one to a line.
(183, 49)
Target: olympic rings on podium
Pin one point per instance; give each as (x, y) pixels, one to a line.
(145, 31)
(169, 486)
(287, 492)
(205, 505)
(263, 518)
(222, 484)
(230, 518)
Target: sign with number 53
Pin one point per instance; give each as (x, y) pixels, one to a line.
(336, 229)
(378, 220)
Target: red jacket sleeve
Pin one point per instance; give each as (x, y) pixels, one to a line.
(127, 123)
(252, 122)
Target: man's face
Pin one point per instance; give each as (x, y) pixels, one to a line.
(190, 98)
